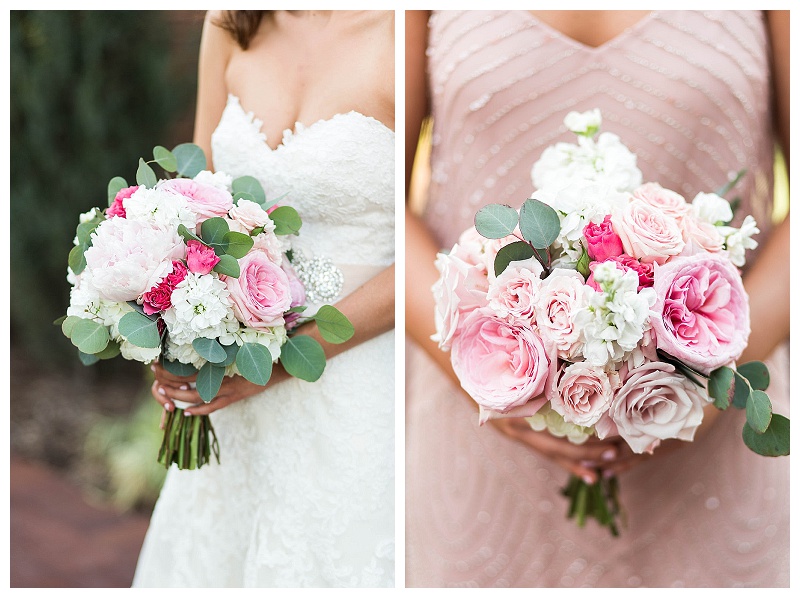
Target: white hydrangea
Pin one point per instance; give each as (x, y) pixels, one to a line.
(614, 320)
(272, 338)
(711, 208)
(157, 207)
(130, 351)
(201, 307)
(738, 240)
(184, 353)
(584, 123)
(548, 419)
(85, 302)
(220, 180)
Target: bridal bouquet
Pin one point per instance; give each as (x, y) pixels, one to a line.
(604, 307)
(194, 270)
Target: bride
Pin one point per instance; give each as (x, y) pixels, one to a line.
(304, 495)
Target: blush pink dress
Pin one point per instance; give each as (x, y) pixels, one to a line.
(689, 92)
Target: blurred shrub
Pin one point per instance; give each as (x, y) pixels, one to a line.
(91, 91)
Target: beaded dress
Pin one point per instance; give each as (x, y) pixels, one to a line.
(304, 495)
(689, 92)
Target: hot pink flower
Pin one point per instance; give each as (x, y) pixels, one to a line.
(117, 208)
(261, 293)
(206, 201)
(601, 240)
(159, 297)
(625, 262)
(200, 258)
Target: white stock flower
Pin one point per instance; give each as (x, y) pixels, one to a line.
(134, 353)
(584, 123)
(737, 240)
(220, 180)
(711, 208)
(272, 338)
(201, 307)
(548, 419)
(159, 208)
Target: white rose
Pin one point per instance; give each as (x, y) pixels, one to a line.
(251, 215)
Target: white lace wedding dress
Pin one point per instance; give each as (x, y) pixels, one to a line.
(304, 495)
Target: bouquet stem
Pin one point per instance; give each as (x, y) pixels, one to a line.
(188, 441)
(599, 500)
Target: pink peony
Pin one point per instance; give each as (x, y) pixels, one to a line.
(581, 393)
(205, 201)
(261, 293)
(200, 258)
(561, 297)
(601, 240)
(159, 297)
(117, 208)
(625, 262)
(654, 403)
(500, 365)
(701, 315)
(647, 233)
(667, 202)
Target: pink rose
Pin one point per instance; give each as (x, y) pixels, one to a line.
(625, 262)
(581, 393)
(261, 293)
(701, 236)
(117, 208)
(667, 202)
(561, 297)
(654, 403)
(298, 292)
(205, 201)
(500, 365)
(601, 240)
(513, 294)
(251, 215)
(200, 258)
(647, 233)
(159, 297)
(701, 315)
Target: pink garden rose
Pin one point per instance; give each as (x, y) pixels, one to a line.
(117, 208)
(701, 315)
(298, 292)
(251, 215)
(701, 236)
(159, 297)
(581, 393)
(625, 262)
(667, 202)
(513, 294)
(261, 293)
(647, 233)
(601, 240)
(560, 298)
(206, 201)
(654, 403)
(200, 258)
(500, 365)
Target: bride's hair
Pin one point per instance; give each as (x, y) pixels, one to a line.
(241, 24)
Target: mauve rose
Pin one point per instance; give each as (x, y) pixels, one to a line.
(625, 262)
(654, 403)
(601, 240)
(647, 233)
(159, 297)
(117, 208)
(581, 393)
(200, 258)
(206, 201)
(261, 293)
(500, 365)
(561, 297)
(701, 315)
(667, 202)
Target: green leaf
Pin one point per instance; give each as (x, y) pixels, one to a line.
(178, 368)
(303, 357)
(112, 350)
(254, 362)
(165, 158)
(297, 309)
(76, 260)
(68, 324)
(240, 195)
(496, 221)
(89, 336)
(251, 186)
(145, 175)
(287, 220)
(87, 358)
(139, 330)
(85, 229)
(115, 185)
(189, 235)
(538, 223)
(719, 387)
(209, 379)
(722, 191)
(190, 159)
(583, 264)
(213, 231)
(741, 391)
(772, 443)
(231, 352)
(513, 252)
(333, 325)
(59, 321)
(237, 244)
(759, 411)
(756, 373)
(209, 349)
(228, 266)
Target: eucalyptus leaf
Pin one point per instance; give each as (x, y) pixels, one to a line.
(135, 306)
(139, 330)
(287, 220)
(88, 358)
(719, 387)
(254, 362)
(772, 443)
(513, 252)
(89, 336)
(333, 325)
(213, 231)
(237, 244)
(190, 159)
(59, 321)
(228, 265)
(115, 185)
(741, 391)
(756, 373)
(583, 264)
(68, 324)
(251, 186)
(178, 368)
(496, 221)
(272, 202)
(538, 223)
(256, 231)
(165, 158)
(303, 357)
(759, 411)
(231, 351)
(189, 235)
(209, 349)
(84, 231)
(145, 175)
(112, 350)
(76, 260)
(209, 379)
(240, 195)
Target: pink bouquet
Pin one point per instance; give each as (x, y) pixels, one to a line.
(195, 270)
(604, 307)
